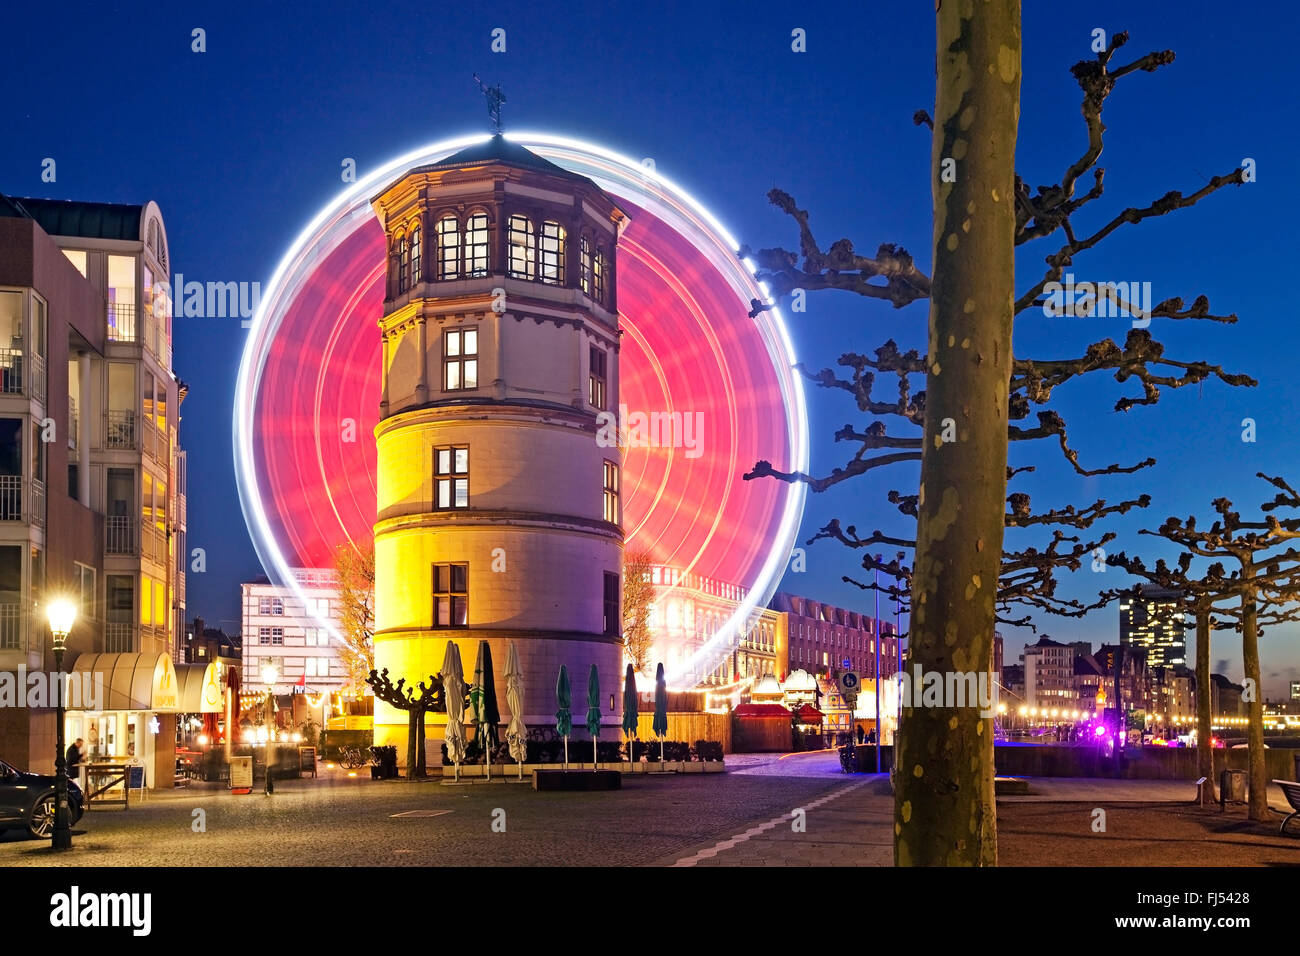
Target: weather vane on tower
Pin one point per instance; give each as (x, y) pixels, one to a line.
(494, 100)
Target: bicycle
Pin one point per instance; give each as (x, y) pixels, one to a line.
(351, 758)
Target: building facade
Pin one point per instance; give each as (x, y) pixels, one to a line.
(92, 475)
(292, 634)
(1154, 621)
(821, 637)
(1049, 674)
(499, 505)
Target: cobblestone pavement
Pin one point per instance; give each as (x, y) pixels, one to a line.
(336, 820)
(767, 810)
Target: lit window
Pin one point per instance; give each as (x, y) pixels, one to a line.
(403, 265)
(448, 232)
(264, 635)
(451, 595)
(451, 477)
(596, 380)
(415, 277)
(460, 359)
(552, 253)
(611, 492)
(522, 245)
(584, 265)
(599, 278)
(277, 635)
(476, 246)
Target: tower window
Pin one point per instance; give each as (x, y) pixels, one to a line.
(522, 243)
(612, 622)
(600, 268)
(451, 477)
(448, 231)
(416, 276)
(476, 246)
(596, 379)
(451, 595)
(459, 359)
(584, 265)
(611, 492)
(552, 253)
(403, 265)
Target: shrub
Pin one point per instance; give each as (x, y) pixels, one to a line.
(708, 750)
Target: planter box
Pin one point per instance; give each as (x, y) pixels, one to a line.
(714, 766)
(692, 766)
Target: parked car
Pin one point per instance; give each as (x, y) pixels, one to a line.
(27, 800)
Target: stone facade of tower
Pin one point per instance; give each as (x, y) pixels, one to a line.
(499, 506)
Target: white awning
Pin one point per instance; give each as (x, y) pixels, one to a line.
(200, 689)
(141, 682)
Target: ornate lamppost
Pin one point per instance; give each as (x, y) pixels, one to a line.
(61, 614)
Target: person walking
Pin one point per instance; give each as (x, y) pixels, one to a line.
(73, 759)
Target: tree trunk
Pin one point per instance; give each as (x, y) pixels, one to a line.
(1258, 792)
(411, 721)
(944, 804)
(1204, 732)
(421, 770)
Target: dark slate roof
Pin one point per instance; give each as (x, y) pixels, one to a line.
(63, 217)
(498, 149)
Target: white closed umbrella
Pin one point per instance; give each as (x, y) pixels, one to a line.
(517, 731)
(453, 688)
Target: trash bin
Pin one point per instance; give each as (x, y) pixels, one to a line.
(1232, 787)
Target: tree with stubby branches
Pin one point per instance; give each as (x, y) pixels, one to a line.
(975, 392)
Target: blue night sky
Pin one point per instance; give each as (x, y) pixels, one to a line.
(241, 145)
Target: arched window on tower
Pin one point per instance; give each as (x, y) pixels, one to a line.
(552, 272)
(448, 232)
(403, 265)
(476, 246)
(416, 276)
(584, 265)
(521, 242)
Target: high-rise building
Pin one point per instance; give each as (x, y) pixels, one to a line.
(499, 504)
(1295, 690)
(1154, 620)
(92, 477)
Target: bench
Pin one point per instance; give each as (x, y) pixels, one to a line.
(1292, 793)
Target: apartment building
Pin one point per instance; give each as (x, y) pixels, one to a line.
(92, 476)
(822, 637)
(292, 633)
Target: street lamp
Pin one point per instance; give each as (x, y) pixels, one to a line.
(62, 613)
(269, 676)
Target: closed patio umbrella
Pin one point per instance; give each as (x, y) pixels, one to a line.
(483, 700)
(517, 732)
(453, 692)
(593, 712)
(661, 709)
(629, 708)
(563, 716)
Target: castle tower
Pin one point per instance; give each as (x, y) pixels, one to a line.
(499, 511)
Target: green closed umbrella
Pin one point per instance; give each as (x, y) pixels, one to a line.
(563, 716)
(593, 711)
(661, 709)
(629, 708)
(483, 702)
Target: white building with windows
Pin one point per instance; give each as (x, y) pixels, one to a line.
(293, 636)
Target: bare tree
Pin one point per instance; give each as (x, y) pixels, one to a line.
(638, 596)
(355, 569)
(424, 698)
(975, 393)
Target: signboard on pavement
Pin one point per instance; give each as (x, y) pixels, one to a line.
(241, 774)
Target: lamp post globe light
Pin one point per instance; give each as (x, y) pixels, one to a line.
(269, 677)
(61, 614)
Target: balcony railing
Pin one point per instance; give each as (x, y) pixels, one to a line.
(120, 431)
(119, 535)
(11, 498)
(38, 503)
(38, 378)
(12, 364)
(119, 638)
(11, 627)
(121, 322)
